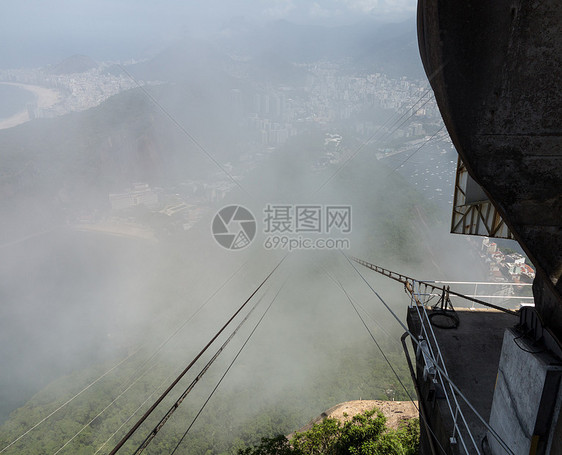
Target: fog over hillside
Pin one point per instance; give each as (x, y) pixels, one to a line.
(111, 275)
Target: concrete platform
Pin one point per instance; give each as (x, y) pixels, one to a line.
(471, 354)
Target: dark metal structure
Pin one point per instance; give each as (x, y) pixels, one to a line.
(495, 68)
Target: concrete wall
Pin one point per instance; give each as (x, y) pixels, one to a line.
(528, 421)
(494, 66)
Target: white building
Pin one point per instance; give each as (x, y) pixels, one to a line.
(139, 194)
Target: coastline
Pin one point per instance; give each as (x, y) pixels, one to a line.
(120, 229)
(45, 97)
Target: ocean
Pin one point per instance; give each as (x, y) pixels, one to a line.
(13, 100)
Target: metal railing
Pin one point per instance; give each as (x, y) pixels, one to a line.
(427, 346)
(429, 349)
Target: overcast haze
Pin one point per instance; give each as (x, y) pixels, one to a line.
(37, 33)
(111, 176)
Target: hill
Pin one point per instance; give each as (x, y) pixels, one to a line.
(369, 45)
(396, 412)
(74, 64)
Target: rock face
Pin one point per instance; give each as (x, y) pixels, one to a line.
(495, 68)
(395, 412)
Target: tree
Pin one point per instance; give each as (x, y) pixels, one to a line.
(279, 445)
(364, 434)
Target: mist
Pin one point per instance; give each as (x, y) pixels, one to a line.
(140, 122)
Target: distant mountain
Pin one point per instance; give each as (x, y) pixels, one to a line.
(128, 138)
(268, 55)
(207, 65)
(74, 64)
(369, 45)
(125, 139)
(184, 62)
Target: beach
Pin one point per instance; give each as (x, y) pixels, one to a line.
(45, 98)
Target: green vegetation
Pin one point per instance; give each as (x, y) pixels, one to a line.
(247, 407)
(297, 371)
(364, 434)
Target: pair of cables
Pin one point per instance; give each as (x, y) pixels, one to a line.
(174, 383)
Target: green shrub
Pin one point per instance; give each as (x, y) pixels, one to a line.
(364, 434)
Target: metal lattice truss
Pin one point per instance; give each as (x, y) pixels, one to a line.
(473, 212)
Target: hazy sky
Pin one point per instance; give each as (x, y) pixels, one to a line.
(35, 32)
